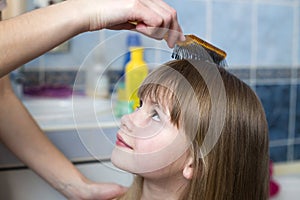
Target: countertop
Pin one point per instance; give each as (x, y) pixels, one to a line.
(79, 112)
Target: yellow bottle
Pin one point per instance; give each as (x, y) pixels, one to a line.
(135, 72)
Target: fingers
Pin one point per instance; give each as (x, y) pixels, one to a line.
(154, 18)
(112, 191)
(164, 17)
(158, 20)
(123, 26)
(107, 191)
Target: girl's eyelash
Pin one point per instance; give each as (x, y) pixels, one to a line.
(155, 116)
(154, 113)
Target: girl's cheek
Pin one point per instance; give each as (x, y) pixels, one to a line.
(155, 143)
(148, 145)
(150, 131)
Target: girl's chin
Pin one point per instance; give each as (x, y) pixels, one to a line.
(138, 163)
(119, 160)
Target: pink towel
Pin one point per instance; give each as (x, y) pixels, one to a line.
(274, 186)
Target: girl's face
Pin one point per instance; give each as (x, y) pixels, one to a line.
(147, 140)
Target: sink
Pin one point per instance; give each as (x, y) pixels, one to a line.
(75, 125)
(70, 113)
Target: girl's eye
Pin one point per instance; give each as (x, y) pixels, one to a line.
(155, 116)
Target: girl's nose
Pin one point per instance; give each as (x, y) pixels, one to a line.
(126, 123)
(140, 118)
(137, 119)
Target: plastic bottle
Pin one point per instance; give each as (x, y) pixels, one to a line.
(135, 72)
(97, 83)
(132, 40)
(123, 106)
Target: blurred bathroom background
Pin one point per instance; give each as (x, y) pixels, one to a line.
(261, 38)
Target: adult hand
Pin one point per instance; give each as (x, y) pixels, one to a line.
(153, 18)
(91, 191)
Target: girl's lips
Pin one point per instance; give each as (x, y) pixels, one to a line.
(120, 142)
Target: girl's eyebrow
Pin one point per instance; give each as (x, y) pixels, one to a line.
(160, 107)
(156, 104)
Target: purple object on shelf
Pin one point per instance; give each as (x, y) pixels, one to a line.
(48, 91)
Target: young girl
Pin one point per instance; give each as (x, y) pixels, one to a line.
(199, 133)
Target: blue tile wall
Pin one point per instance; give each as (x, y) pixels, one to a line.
(78, 49)
(297, 125)
(262, 40)
(275, 35)
(277, 93)
(275, 99)
(297, 152)
(260, 33)
(230, 23)
(278, 154)
(191, 15)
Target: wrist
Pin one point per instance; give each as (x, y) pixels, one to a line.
(84, 14)
(73, 188)
(77, 17)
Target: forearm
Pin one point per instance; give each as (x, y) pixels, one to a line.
(23, 137)
(28, 36)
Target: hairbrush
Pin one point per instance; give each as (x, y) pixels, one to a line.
(198, 49)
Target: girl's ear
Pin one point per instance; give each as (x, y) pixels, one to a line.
(188, 169)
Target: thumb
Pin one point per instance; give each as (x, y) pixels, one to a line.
(109, 191)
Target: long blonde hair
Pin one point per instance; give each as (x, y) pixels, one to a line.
(237, 166)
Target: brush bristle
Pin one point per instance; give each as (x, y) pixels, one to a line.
(198, 49)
